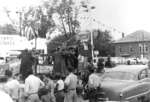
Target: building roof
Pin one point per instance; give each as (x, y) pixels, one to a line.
(136, 36)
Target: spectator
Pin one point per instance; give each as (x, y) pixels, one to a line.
(50, 86)
(100, 65)
(12, 86)
(27, 61)
(94, 80)
(94, 83)
(89, 65)
(45, 95)
(5, 97)
(32, 85)
(108, 63)
(79, 94)
(128, 62)
(59, 88)
(71, 85)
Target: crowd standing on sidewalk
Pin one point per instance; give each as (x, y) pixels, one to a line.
(28, 86)
(50, 88)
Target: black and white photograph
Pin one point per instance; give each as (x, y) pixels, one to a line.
(74, 50)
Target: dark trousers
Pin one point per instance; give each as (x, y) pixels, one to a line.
(92, 95)
(59, 96)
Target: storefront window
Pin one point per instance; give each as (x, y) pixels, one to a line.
(120, 49)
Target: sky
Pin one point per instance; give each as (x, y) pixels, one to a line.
(13, 6)
(124, 15)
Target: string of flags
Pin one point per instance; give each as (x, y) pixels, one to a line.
(100, 25)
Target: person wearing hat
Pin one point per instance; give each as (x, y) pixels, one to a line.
(71, 85)
(100, 65)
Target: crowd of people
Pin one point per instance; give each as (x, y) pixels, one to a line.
(75, 86)
(54, 87)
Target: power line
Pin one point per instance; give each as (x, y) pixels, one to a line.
(100, 24)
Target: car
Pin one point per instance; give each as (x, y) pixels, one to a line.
(127, 83)
(131, 61)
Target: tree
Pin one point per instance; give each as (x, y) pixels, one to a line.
(61, 41)
(40, 19)
(68, 24)
(68, 16)
(37, 21)
(103, 43)
(8, 29)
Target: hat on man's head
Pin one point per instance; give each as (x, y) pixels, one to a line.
(70, 69)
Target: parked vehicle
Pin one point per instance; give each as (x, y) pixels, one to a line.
(127, 83)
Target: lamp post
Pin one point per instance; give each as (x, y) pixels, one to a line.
(88, 10)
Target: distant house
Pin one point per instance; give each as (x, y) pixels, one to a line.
(136, 44)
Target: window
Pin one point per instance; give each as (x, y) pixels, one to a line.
(120, 49)
(146, 49)
(131, 49)
(143, 48)
(143, 74)
(140, 49)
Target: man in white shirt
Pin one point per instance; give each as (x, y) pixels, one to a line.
(71, 84)
(4, 97)
(60, 83)
(94, 83)
(59, 88)
(12, 87)
(32, 85)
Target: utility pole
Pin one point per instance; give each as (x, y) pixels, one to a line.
(20, 22)
(88, 10)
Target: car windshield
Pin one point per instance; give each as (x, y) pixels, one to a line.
(119, 75)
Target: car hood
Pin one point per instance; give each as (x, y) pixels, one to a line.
(113, 88)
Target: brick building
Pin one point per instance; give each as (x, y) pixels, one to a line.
(136, 44)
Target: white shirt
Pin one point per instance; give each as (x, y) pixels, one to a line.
(32, 84)
(4, 97)
(12, 86)
(60, 85)
(94, 81)
(71, 81)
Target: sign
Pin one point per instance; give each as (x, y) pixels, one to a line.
(13, 42)
(7, 41)
(84, 36)
(44, 68)
(96, 52)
